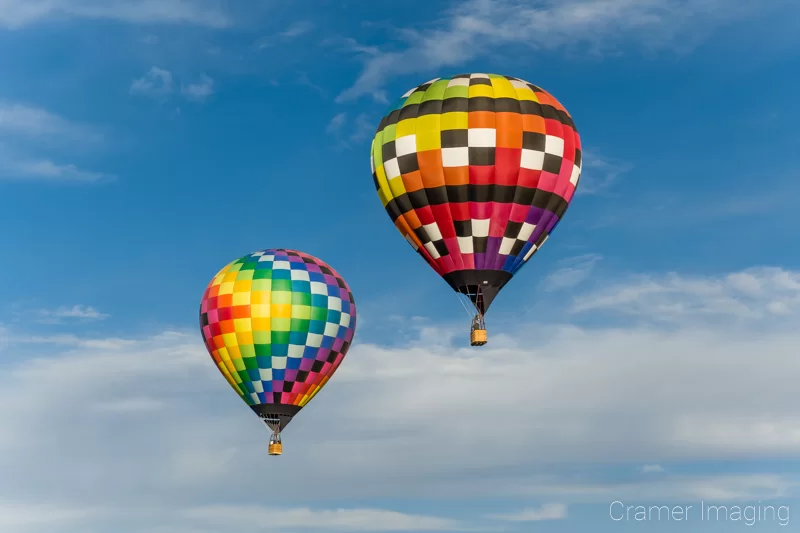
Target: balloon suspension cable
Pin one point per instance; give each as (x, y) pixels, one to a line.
(275, 444)
(461, 297)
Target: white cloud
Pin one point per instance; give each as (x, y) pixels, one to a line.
(129, 405)
(294, 30)
(577, 270)
(664, 207)
(754, 294)
(336, 123)
(303, 79)
(160, 83)
(669, 489)
(3, 338)
(350, 132)
(23, 128)
(17, 13)
(156, 83)
(12, 168)
(548, 511)
(73, 340)
(598, 173)
(19, 119)
(80, 312)
(21, 517)
(479, 27)
(249, 519)
(204, 465)
(413, 414)
(339, 519)
(200, 90)
(298, 28)
(652, 469)
(363, 127)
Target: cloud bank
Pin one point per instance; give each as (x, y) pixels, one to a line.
(143, 421)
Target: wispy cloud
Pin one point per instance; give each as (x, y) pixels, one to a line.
(200, 90)
(670, 489)
(598, 173)
(21, 516)
(79, 312)
(40, 517)
(129, 405)
(753, 294)
(4, 340)
(339, 519)
(19, 119)
(336, 123)
(574, 271)
(156, 83)
(548, 511)
(347, 131)
(26, 130)
(652, 469)
(298, 28)
(478, 27)
(664, 208)
(17, 13)
(293, 31)
(46, 170)
(75, 341)
(161, 84)
(306, 81)
(350, 44)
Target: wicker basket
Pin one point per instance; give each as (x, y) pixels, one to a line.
(477, 337)
(276, 448)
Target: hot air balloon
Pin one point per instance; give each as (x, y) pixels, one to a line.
(476, 171)
(277, 323)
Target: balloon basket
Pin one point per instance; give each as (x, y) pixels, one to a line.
(477, 337)
(275, 448)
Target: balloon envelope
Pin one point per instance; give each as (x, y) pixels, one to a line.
(476, 171)
(277, 323)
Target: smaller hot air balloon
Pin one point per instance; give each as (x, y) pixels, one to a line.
(277, 323)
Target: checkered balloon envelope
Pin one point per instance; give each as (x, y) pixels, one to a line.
(476, 171)
(277, 323)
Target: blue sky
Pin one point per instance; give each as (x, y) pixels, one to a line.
(646, 355)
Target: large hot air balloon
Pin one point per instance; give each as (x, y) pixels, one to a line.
(476, 171)
(278, 324)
